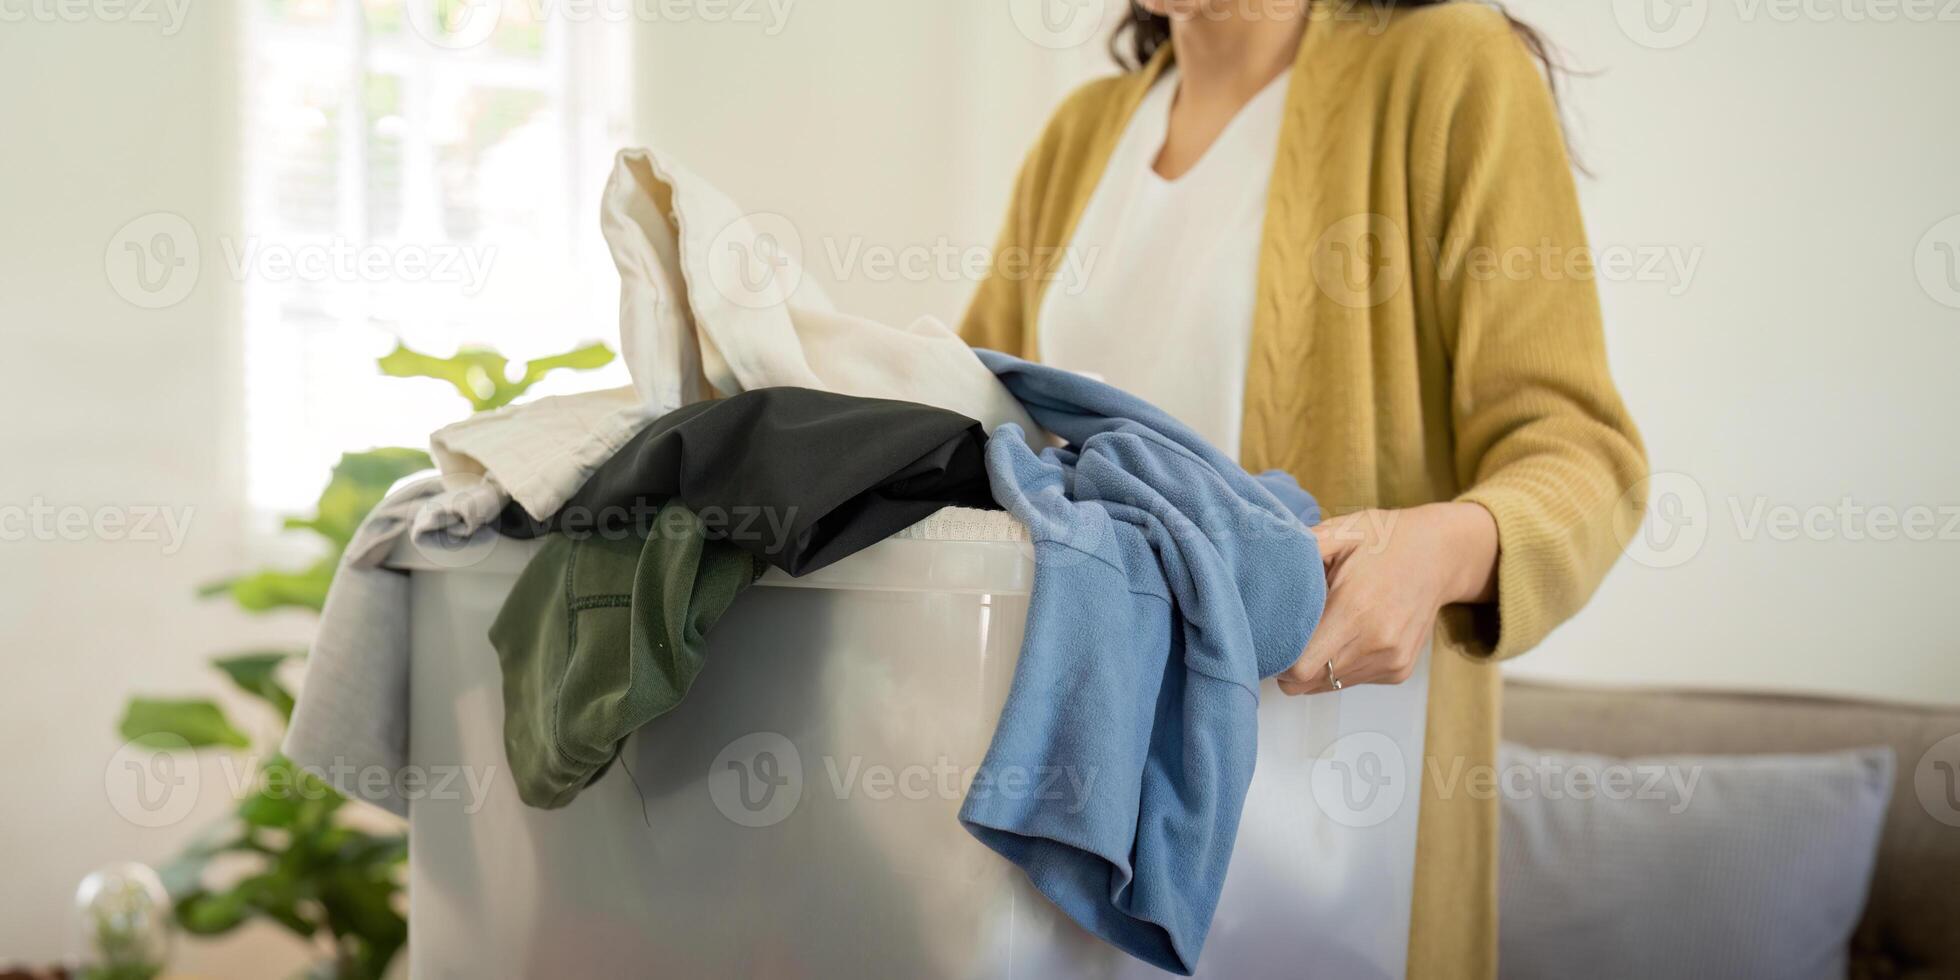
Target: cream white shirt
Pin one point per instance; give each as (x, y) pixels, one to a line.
(1165, 310)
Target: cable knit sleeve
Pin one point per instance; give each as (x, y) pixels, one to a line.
(1542, 439)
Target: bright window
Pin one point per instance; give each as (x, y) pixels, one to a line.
(426, 172)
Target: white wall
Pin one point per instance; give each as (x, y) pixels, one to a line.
(1802, 365)
(1792, 167)
(877, 127)
(109, 409)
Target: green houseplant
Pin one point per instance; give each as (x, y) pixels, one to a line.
(301, 861)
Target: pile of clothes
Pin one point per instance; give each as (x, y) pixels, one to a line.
(765, 429)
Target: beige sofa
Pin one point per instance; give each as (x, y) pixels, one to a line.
(1912, 919)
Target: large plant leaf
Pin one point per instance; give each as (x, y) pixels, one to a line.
(203, 913)
(161, 722)
(258, 674)
(378, 853)
(475, 373)
(268, 807)
(361, 902)
(483, 376)
(277, 894)
(278, 589)
(286, 797)
(274, 894)
(359, 482)
(184, 873)
(588, 358)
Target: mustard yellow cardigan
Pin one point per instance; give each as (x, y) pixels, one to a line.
(1427, 329)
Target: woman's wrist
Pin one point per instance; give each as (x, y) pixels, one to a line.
(1469, 536)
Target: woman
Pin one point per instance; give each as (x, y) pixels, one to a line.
(1345, 241)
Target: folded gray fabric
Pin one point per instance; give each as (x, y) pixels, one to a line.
(350, 725)
(442, 512)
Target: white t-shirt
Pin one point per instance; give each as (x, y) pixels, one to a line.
(1165, 310)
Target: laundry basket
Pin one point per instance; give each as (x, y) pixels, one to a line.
(795, 816)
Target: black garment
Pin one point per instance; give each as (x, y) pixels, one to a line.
(797, 477)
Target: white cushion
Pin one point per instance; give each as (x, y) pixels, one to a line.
(1709, 866)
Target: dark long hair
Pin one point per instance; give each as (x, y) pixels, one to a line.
(1142, 33)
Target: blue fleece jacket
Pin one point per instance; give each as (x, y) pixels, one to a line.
(1168, 583)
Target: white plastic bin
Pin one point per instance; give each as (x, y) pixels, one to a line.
(795, 817)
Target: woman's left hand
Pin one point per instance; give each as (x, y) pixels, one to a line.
(1388, 573)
